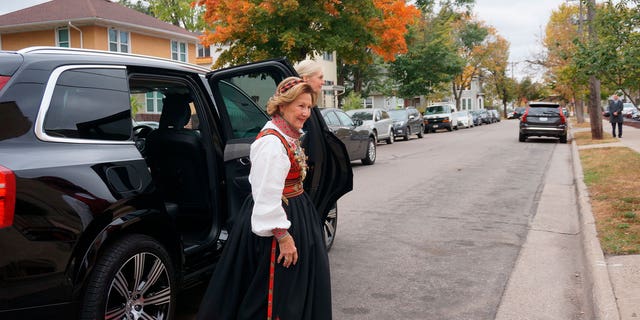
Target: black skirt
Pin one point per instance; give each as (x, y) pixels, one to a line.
(239, 286)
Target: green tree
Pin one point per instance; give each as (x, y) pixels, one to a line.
(182, 13)
(495, 67)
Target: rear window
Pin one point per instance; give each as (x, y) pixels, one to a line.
(539, 110)
(362, 115)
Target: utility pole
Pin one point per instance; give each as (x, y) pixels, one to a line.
(595, 112)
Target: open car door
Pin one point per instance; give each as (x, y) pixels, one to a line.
(240, 95)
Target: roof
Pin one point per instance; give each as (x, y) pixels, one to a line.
(87, 12)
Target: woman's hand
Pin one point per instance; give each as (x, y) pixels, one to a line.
(288, 252)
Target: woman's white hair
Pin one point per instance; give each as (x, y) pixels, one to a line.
(308, 67)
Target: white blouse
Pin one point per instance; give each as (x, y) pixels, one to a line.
(269, 168)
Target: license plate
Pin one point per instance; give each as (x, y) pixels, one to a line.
(435, 125)
(544, 118)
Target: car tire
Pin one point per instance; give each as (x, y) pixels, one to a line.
(392, 138)
(522, 137)
(563, 138)
(330, 226)
(420, 135)
(450, 129)
(130, 262)
(406, 134)
(370, 156)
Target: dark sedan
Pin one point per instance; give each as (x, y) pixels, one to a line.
(359, 140)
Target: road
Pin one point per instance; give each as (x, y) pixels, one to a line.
(434, 228)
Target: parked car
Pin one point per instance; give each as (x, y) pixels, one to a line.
(477, 118)
(378, 120)
(438, 116)
(407, 122)
(494, 115)
(484, 116)
(463, 119)
(629, 110)
(359, 139)
(543, 119)
(97, 222)
(518, 112)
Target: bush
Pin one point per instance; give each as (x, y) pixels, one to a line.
(352, 101)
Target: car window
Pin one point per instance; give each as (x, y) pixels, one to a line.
(398, 114)
(539, 111)
(362, 115)
(331, 119)
(385, 115)
(344, 118)
(246, 117)
(90, 103)
(245, 99)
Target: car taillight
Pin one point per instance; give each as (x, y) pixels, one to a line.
(563, 119)
(7, 196)
(524, 115)
(3, 81)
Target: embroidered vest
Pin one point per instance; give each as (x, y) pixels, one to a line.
(293, 183)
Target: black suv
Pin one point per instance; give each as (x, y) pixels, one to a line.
(101, 219)
(543, 119)
(406, 122)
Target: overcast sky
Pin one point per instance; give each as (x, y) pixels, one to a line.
(521, 22)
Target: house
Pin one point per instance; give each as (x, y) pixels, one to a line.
(96, 24)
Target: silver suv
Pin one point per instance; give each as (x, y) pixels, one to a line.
(378, 120)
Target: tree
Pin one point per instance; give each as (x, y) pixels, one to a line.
(561, 36)
(431, 61)
(495, 67)
(356, 30)
(618, 48)
(473, 40)
(181, 13)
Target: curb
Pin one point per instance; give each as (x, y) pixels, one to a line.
(600, 287)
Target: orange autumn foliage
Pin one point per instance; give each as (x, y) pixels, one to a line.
(391, 27)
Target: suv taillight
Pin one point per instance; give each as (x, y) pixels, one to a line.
(3, 81)
(524, 115)
(563, 119)
(7, 197)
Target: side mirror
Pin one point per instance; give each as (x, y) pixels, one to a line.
(412, 117)
(357, 122)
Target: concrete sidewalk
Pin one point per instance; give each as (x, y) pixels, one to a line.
(615, 285)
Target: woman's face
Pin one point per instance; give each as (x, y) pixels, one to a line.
(315, 80)
(298, 111)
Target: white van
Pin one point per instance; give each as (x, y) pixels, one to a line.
(439, 116)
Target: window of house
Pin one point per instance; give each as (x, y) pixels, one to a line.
(90, 103)
(368, 102)
(179, 51)
(118, 41)
(203, 51)
(327, 56)
(62, 37)
(153, 102)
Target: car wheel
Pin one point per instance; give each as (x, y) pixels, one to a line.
(407, 132)
(134, 279)
(392, 138)
(563, 138)
(420, 132)
(370, 157)
(522, 137)
(450, 129)
(330, 227)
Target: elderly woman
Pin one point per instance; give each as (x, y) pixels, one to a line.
(311, 72)
(275, 264)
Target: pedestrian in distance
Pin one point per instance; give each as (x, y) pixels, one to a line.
(275, 263)
(616, 118)
(311, 72)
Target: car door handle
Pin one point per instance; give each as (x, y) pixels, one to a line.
(244, 161)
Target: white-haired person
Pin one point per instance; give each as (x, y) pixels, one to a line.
(311, 72)
(275, 264)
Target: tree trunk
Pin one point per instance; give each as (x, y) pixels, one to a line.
(595, 112)
(579, 111)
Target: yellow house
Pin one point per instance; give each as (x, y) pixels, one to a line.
(99, 25)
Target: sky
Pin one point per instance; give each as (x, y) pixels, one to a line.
(521, 22)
